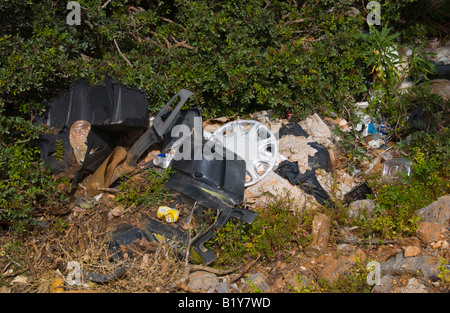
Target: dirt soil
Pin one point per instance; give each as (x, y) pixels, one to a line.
(46, 259)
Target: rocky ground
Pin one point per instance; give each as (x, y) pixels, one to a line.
(59, 252)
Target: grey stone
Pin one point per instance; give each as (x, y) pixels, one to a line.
(361, 208)
(203, 281)
(437, 212)
(223, 288)
(385, 285)
(257, 281)
(415, 286)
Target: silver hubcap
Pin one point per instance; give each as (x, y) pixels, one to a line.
(253, 142)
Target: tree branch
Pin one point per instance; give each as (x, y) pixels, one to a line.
(104, 5)
(183, 44)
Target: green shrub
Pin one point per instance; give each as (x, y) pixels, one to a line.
(25, 185)
(236, 56)
(275, 231)
(397, 203)
(150, 192)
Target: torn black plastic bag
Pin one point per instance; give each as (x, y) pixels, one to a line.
(306, 181)
(292, 129)
(321, 159)
(109, 109)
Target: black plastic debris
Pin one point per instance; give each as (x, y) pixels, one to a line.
(124, 235)
(110, 109)
(152, 135)
(292, 129)
(113, 161)
(56, 150)
(321, 159)
(215, 180)
(306, 181)
(417, 120)
(185, 118)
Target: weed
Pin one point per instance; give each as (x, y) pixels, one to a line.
(147, 193)
(274, 232)
(444, 271)
(59, 226)
(353, 281)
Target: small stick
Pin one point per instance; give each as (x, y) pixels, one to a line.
(120, 52)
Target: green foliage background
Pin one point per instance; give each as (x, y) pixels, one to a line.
(236, 56)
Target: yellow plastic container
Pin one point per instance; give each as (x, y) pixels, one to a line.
(169, 214)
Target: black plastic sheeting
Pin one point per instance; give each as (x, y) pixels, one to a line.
(308, 180)
(113, 110)
(214, 179)
(360, 192)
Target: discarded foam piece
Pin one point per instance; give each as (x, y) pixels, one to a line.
(78, 138)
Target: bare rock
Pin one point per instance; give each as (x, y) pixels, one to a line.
(411, 251)
(361, 208)
(321, 234)
(385, 285)
(202, 281)
(429, 232)
(415, 286)
(438, 211)
(399, 265)
(316, 127)
(258, 281)
(335, 267)
(276, 185)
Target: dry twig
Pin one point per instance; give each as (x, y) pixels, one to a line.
(120, 52)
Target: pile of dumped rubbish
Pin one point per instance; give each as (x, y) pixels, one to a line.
(100, 134)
